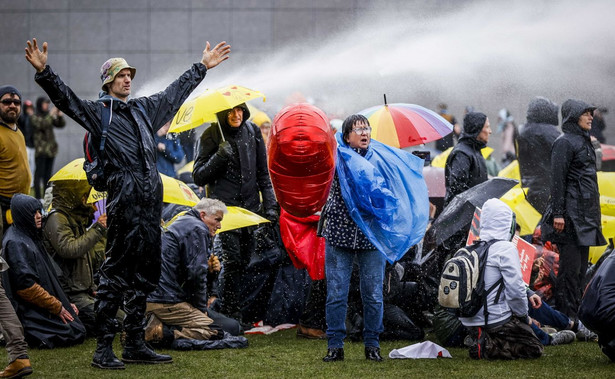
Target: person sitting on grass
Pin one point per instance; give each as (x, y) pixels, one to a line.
(48, 318)
(506, 334)
(178, 307)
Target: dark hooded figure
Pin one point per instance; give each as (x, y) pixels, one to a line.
(465, 166)
(48, 318)
(574, 224)
(533, 146)
(232, 161)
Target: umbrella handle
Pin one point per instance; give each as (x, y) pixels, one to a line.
(221, 132)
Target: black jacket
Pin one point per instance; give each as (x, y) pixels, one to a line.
(465, 167)
(597, 309)
(533, 146)
(30, 264)
(184, 270)
(134, 202)
(241, 179)
(574, 187)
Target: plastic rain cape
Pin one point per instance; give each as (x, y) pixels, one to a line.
(385, 194)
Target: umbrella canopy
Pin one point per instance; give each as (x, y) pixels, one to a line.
(203, 108)
(434, 178)
(173, 191)
(187, 168)
(457, 215)
(606, 183)
(527, 216)
(402, 125)
(440, 159)
(236, 218)
(72, 171)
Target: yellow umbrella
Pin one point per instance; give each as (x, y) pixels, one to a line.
(71, 171)
(187, 168)
(236, 218)
(607, 205)
(440, 159)
(608, 230)
(606, 183)
(511, 171)
(173, 191)
(203, 108)
(527, 216)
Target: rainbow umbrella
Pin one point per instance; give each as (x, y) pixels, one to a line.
(402, 125)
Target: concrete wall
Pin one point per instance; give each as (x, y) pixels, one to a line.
(153, 35)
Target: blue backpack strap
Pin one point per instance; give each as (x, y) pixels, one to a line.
(107, 112)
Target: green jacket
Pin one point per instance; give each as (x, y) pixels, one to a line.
(45, 144)
(77, 249)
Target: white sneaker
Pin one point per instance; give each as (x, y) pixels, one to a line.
(586, 335)
(562, 337)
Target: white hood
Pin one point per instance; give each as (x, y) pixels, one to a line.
(495, 220)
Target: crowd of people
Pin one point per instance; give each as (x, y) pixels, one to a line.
(69, 274)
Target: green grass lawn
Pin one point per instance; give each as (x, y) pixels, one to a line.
(283, 355)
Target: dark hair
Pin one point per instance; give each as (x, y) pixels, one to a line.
(349, 123)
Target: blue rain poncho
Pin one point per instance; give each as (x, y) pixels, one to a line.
(385, 194)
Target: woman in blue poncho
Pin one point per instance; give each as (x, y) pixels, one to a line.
(345, 240)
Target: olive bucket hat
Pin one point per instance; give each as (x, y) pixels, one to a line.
(110, 69)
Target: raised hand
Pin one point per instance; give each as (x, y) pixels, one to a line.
(213, 57)
(36, 57)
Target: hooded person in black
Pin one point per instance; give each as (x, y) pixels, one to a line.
(48, 318)
(132, 266)
(232, 161)
(533, 147)
(574, 221)
(465, 166)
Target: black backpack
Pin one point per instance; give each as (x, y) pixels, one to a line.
(94, 163)
(462, 283)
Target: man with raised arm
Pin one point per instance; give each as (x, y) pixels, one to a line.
(132, 266)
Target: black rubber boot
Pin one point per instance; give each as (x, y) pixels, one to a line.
(137, 351)
(373, 354)
(334, 354)
(104, 357)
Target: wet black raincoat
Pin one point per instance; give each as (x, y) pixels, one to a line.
(240, 180)
(185, 251)
(465, 165)
(597, 310)
(30, 264)
(533, 146)
(574, 187)
(134, 202)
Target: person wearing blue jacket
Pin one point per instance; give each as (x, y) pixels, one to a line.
(132, 266)
(187, 286)
(376, 210)
(168, 151)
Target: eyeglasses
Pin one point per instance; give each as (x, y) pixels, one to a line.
(8, 102)
(362, 131)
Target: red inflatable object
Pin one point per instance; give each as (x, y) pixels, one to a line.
(301, 151)
(304, 247)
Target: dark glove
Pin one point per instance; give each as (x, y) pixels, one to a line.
(225, 150)
(272, 215)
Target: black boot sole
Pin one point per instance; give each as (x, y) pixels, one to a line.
(144, 362)
(108, 367)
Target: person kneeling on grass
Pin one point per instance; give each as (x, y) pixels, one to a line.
(178, 308)
(48, 318)
(507, 333)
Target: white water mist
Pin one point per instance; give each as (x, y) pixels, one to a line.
(486, 54)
